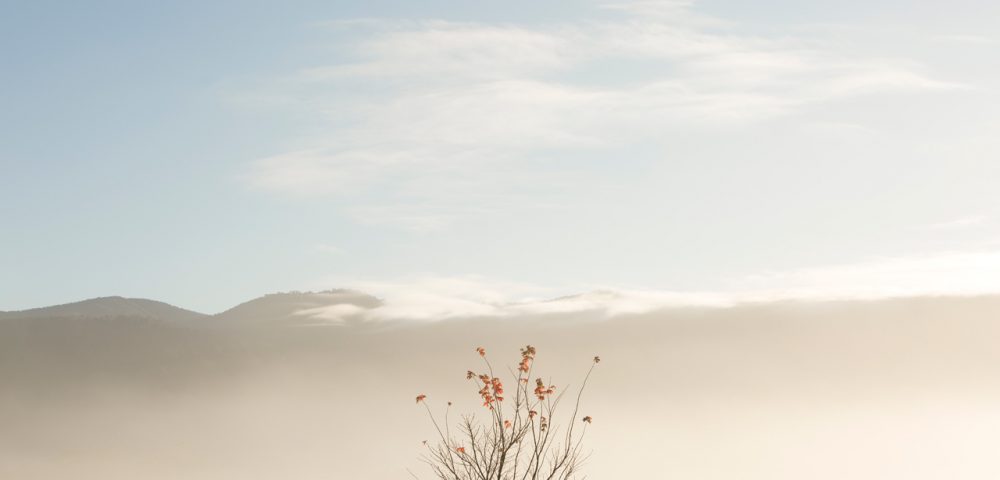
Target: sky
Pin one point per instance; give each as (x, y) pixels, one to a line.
(205, 153)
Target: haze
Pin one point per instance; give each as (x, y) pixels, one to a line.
(777, 222)
(884, 389)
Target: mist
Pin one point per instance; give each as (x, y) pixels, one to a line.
(902, 388)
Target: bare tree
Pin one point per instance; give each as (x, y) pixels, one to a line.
(519, 440)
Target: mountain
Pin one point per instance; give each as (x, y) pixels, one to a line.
(299, 308)
(276, 309)
(111, 307)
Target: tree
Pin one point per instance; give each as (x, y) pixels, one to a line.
(520, 439)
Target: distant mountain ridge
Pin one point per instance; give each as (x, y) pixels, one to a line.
(111, 307)
(285, 308)
(354, 308)
(296, 308)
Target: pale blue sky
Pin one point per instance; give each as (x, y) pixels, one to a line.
(203, 153)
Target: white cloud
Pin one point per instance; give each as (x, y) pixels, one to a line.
(966, 39)
(448, 51)
(432, 298)
(944, 273)
(971, 221)
(311, 172)
(421, 99)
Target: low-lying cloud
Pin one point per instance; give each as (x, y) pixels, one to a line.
(430, 298)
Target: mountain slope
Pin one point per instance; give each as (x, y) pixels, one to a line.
(299, 308)
(111, 307)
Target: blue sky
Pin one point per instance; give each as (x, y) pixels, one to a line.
(204, 153)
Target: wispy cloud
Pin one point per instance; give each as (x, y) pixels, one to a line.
(432, 99)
